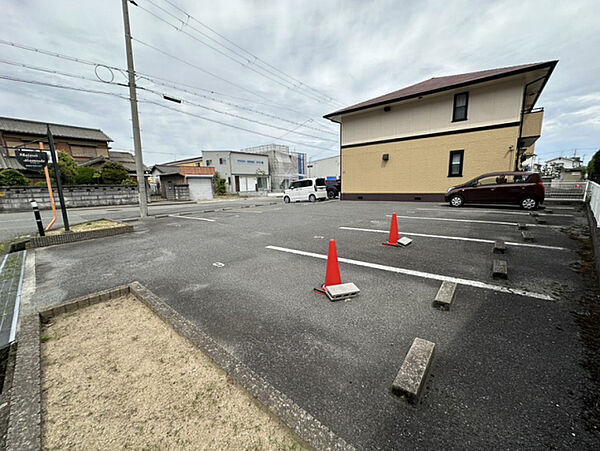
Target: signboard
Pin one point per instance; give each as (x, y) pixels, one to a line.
(32, 159)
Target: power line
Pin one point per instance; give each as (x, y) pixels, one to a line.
(149, 77)
(250, 110)
(249, 59)
(230, 125)
(92, 91)
(53, 85)
(245, 65)
(196, 67)
(237, 116)
(64, 74)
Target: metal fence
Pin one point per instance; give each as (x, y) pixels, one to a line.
(561, 190)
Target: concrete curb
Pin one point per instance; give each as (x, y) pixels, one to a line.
(24, 423)
(24, 427)
(52, 240)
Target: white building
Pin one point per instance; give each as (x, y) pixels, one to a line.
(246, 173)
(328, 168)
(284, 166)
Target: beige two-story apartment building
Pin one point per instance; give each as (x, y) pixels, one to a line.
(415, 143)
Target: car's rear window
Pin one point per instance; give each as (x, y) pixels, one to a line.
(320, 182)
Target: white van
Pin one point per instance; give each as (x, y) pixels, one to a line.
(306, 189)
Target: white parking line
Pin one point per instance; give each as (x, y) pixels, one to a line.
(504, 212)
(427, 218)
(457, 238)
(424, 275)
(191, 217)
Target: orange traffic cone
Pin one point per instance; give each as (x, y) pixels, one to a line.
(393, 238)
(332, 275)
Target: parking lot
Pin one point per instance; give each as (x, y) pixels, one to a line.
(507, 365)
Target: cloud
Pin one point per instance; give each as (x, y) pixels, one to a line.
(348, 50)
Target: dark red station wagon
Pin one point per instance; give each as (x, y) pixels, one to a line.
(520, 188)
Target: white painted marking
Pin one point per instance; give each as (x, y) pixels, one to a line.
(504, 212)
(15, 318)
(218, 264)
(427, 218)
(424, 275)
(458, 238)
(318, 237)
(191, 217)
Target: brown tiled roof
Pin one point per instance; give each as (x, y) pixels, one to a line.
(437, 84)
(10, 124)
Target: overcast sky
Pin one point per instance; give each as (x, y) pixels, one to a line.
(338, 53)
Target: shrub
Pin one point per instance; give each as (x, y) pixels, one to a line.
(129, 182)
(593, 167)
(40, 183)
(113, 173)
(67, 168)
(219, 185)
(86, 176)
(12, 177)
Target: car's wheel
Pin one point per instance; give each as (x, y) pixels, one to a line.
(457, 201)
(312, 198)
(286, 199)
(331, 194)
(529, 203)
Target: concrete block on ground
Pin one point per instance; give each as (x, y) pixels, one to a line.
(445, 296)
(404, 241)
(499, 247)
(533, 213)
(527, 236)
(499, 269)
(411, 377)
(522, 226)
(342, 291)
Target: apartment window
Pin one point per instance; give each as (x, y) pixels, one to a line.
(208, 162)
(455, 168)
(461, 102)
(260, 162)
(221, 160)
(241, 161)
(198, 165)
(250, 161)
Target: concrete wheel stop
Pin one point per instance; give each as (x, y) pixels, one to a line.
(411, 377)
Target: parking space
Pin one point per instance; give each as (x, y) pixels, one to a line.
(506, 371)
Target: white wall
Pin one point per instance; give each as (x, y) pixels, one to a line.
(327, 167)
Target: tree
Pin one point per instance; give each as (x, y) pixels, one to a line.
(86, 175)
(67, 167)
(12, 177)
(219, 185)
(113, 173)
(593, 167)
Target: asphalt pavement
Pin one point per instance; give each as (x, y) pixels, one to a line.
(507, 368)
(23, 222)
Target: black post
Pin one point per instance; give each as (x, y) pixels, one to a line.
(63, 208)
(38, 218)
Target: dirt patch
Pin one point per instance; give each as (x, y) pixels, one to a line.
(115, 376)
(87, 226)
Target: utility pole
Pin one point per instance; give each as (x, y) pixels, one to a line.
(137, 140)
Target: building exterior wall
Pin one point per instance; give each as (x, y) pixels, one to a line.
(80, 150)
(326, 168)
(488, 104)
(420, 166)
(230, 164)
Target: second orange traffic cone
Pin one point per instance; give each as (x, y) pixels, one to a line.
(393, 238)
(332, 274)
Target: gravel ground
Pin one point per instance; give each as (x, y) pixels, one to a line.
(115, 376)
